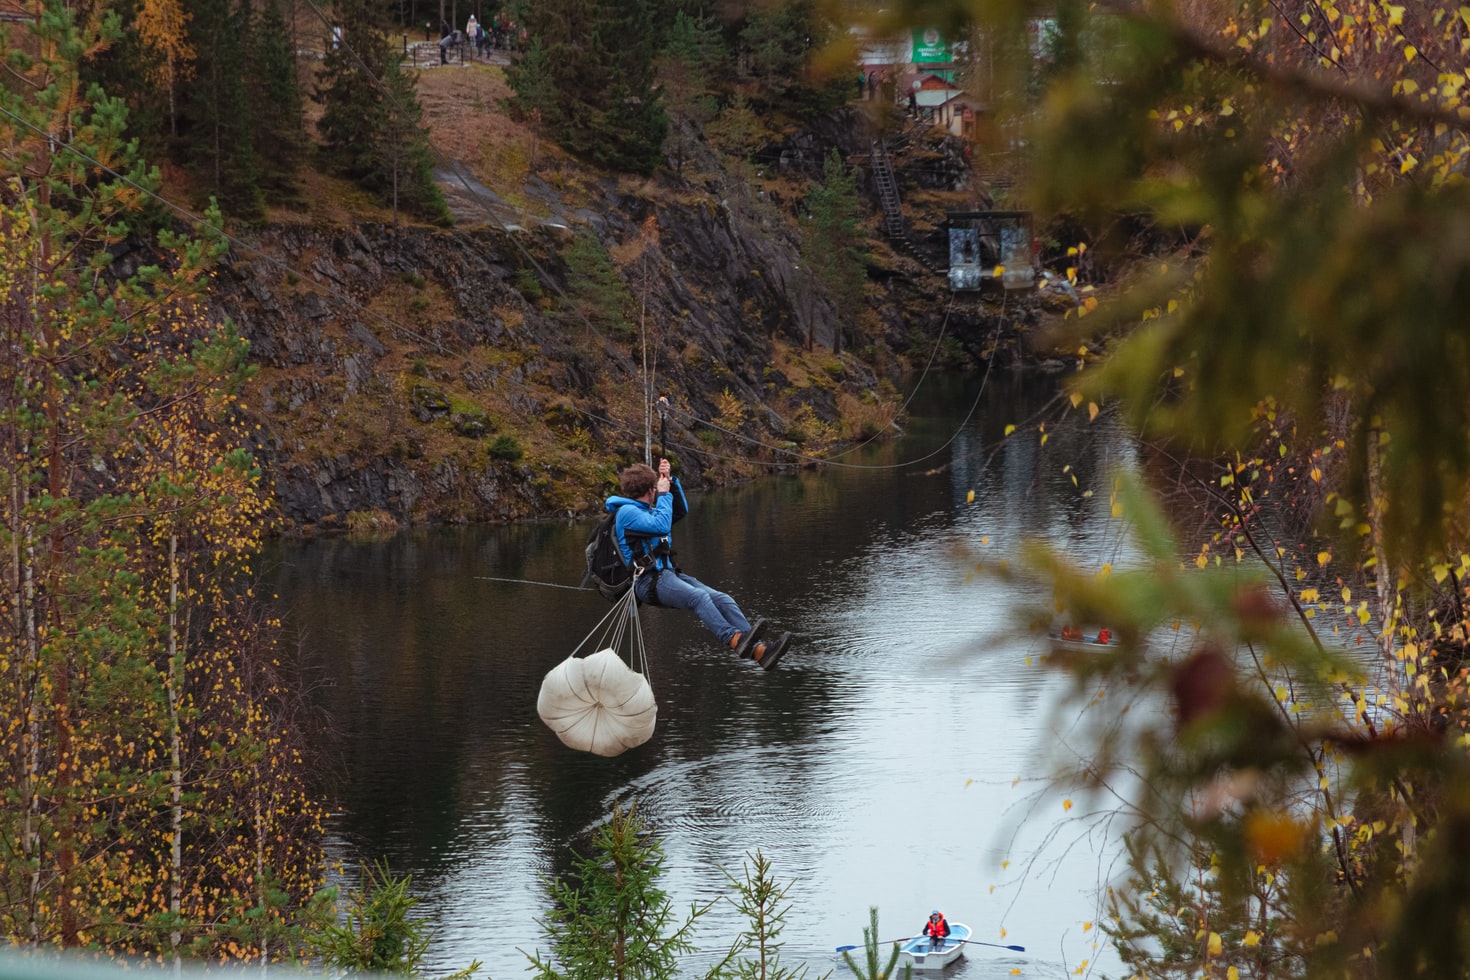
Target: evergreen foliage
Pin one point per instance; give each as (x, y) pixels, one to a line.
(833, 242)
(217, 134)
(274, 99)
(737, 130)
(778, 46)
(872, 954)
(596, 287)
(371, 124)
(380, 935)
(595, 59)
(609, 919)
(693, 62)
(756, 954)
(155, 795)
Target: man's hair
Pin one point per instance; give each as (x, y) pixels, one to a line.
(637, 480)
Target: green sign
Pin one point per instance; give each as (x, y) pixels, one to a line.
(930, 46)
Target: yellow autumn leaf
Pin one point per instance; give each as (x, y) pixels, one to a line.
(1010, 429)
(1066, 804)
(970, 497)
(1252, 938)
(1409, 52)
(1232, 974)
(1309, 595)
(1075, 397)
(1215, 945)
(1092, 411)
(1323, 557)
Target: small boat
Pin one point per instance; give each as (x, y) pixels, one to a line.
(922, 953)
(1078, 641)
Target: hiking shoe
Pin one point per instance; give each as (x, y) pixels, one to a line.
(772, 654)
(747, 642)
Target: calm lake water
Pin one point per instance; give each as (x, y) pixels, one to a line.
(895, 758)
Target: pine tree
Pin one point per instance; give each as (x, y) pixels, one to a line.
(217, 141)
(595, 287)
(598, 64)
(275, 103)
(778, 44)
(371, 121)
(692, 62)
(609, 919)
(832, 243)
(762, 900)
(872, 955)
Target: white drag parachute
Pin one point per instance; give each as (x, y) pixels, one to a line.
(603, 703)
(598, 704)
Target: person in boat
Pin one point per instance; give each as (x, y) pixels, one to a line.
(936, 929)
(646, 510)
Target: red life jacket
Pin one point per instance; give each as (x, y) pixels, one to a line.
(937, 928)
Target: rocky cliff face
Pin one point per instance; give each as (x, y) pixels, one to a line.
(503, 372)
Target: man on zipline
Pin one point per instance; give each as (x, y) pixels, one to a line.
(646, 511)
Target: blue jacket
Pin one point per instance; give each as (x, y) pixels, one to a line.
(648, 526)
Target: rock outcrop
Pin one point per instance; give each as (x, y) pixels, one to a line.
(422, 375)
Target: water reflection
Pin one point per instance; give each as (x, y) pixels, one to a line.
(877, 766)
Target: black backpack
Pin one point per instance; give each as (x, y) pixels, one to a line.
(606, 568)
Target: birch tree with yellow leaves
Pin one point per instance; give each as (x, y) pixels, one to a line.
(163, 31)
(154, 801)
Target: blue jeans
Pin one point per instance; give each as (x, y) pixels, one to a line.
(716, 610)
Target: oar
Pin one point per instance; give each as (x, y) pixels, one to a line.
(843, 949)
(976, 942)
